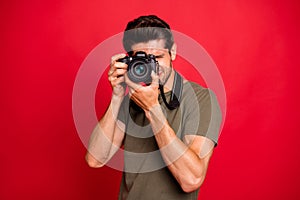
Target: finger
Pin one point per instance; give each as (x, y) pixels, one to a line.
(120, 80)
(120, 65)
(119, 72)
(132, 94)
(116, 57)
(133, 97)
(114, 81)
(131, 84)
(116, 65)
(112, 78)
(155, 80)
(117, 69)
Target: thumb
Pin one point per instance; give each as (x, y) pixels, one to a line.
(155, 79)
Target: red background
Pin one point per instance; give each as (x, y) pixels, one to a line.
(255, 45)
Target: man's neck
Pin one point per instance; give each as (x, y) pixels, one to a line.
(169, 84)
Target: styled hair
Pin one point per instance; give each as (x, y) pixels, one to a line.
(146, 28)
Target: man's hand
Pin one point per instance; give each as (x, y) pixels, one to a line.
(116, 75)
(144, 96)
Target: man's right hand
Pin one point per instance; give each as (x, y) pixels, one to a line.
(116, 75)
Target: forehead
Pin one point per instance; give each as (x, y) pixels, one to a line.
(152, 46)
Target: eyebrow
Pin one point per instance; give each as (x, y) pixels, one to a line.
(160, 56)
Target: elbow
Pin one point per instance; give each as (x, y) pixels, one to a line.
(92, 162)
(191, 184)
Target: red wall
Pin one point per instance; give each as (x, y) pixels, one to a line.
(255, 45)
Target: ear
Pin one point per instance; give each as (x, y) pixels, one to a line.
(173, 52)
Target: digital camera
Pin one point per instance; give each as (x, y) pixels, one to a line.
(140, 67)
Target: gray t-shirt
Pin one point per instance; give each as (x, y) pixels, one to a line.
(145, 174)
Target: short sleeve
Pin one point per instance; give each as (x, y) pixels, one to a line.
(202, 114)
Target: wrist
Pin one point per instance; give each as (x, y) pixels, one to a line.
(116, 98)
(115, 104)
(157, 118)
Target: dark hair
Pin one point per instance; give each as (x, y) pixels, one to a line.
(146, 28)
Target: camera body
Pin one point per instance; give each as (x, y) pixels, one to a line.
(140, 67)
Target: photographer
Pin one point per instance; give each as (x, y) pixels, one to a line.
(168, 126)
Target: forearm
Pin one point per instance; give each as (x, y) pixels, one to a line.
(185, 165)
(105, 139)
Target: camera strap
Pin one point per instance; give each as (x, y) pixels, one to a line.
(176, 92)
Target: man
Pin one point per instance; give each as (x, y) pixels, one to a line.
(168, 127)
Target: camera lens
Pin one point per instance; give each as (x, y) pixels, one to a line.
(140, 70)
(140, 67)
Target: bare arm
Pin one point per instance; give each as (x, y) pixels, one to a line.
(108, 134)
(106, 138)
(187, 160)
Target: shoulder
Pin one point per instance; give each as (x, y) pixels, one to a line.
(194, 89)
(195, 94)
